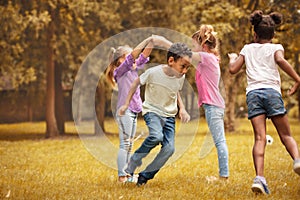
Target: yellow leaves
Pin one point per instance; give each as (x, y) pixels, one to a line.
(38, 20)
(80, 20)
(81, 30)
(22, 75)
(69, 17)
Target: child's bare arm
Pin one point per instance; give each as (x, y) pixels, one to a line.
(287, 68)
(235, 62)
(161, 41)
(183, 115)
(145, 46)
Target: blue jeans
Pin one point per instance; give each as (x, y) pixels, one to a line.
(127, 129)
(215, 120)
(161, 131)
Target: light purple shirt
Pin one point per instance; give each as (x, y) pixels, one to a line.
(124, 75)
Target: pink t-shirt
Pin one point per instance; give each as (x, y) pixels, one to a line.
(208, 75)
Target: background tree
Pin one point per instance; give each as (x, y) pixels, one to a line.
(50, 40)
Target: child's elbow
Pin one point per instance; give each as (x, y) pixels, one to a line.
(232, 70)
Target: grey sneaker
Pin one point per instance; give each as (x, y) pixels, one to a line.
(297, 166)
(259, 187)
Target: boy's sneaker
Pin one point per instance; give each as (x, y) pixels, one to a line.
(141, 180)
(259, 187)
(297, 166)
(132, 179)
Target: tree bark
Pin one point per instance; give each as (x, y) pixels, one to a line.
(100, 106)
(59, 100)
(51, 125)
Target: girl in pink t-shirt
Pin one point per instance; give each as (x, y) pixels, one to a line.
(208, 74)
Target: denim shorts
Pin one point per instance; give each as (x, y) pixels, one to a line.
(265, 101)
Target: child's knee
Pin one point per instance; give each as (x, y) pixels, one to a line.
(158, 138)
(169, 149)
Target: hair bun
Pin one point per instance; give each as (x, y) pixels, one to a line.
(256, 17)
(277, 17)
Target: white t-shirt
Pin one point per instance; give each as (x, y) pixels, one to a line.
(160, 92)
(261, 68)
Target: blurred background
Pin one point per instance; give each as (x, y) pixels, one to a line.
(43, 44)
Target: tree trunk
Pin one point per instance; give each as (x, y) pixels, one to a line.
(51, 126)
(59, 100)
(229, 119)
(100, 106)
(232, 84)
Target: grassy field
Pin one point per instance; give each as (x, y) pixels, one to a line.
(32, 167)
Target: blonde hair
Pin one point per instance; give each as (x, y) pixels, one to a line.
(207, 35)
(114, 59)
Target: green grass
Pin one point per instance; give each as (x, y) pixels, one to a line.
(32, 167)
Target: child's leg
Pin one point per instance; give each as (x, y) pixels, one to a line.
(166, 151)
(155, 137)
(214, 117)
(127, 129)
(258, 151)
(283, 128)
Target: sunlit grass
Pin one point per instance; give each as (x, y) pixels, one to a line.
(32, 167)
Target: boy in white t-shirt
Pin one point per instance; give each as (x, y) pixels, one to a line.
(263, 92)
(162, 97)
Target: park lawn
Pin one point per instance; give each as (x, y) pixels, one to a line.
(32, 167)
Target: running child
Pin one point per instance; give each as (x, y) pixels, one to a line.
(208, 75)
(163, 83)
(263, 92)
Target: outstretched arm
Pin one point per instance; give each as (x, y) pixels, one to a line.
(132, 90)
(161, 41)
(285, 66)
(145, 46)
(165, 43)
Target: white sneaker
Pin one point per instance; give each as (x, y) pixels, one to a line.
(297, 166)
(259, 187)
(132, 179)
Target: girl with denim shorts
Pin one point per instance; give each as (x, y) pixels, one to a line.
(263, 91)
(123, 70)
(208, 75)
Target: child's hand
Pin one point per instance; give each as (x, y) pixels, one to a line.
(294, 89)
(184, 116)
(232, 57)
(157, 39)
(122, 110)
